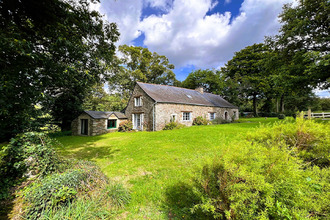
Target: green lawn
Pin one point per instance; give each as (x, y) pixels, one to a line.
(156, 165)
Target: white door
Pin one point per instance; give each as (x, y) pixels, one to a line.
(137, 121)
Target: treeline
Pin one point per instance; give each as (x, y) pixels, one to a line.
(56, 56)
(280, 74)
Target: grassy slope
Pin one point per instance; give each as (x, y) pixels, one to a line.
(155, 165)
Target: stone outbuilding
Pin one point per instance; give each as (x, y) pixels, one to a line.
(152, 106)
(92, 123)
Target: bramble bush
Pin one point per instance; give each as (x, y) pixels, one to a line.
(265, 176)
(199, 120)
(28, 154)
(125, 126)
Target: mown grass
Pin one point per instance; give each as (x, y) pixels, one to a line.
(157, 166)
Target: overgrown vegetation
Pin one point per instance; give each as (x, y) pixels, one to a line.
(125, 126)
(51, 184)
(71, 189)
(199, 120)
(266, 177)
(306, 139)
(173, 125)
(27, 155)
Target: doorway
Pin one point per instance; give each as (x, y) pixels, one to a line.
(226, 116)
(137, 121)
(84, 126)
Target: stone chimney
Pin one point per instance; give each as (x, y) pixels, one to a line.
(200, 90)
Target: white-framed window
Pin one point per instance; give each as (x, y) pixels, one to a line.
(212, 115)
(138, 101)
(186, 116)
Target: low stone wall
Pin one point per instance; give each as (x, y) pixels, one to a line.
(164, 112)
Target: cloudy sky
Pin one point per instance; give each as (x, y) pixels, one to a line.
(193, 34)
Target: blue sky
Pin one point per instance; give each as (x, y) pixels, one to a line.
(193, 34)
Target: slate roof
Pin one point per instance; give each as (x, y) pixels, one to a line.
(177, 95)
(100, 114)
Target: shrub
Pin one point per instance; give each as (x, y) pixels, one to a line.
(125, 126)
(219, 120)
(281, 116)
(173, 125)
(251, 181)
(306, 139)
(60, 189)
(199, 120)
(27, 154)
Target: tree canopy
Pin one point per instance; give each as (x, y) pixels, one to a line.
(247, 69)
(209, 80)
(139, 64)
(52, 52)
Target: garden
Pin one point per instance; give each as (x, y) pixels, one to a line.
(258, 168)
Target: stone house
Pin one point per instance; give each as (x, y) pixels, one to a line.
(96, 122)
(152, 106)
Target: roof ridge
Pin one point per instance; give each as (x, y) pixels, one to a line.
(167, 86)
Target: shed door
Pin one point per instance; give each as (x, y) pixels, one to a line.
(84, 126)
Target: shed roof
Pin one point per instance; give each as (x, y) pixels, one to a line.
(172, 94)
(101, 114)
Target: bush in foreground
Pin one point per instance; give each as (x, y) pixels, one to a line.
(83, 189)
(27, 155)
(255, 182)
(305, 139)
(265, 176)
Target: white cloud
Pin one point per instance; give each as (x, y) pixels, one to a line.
(187, 36)
(126, 14)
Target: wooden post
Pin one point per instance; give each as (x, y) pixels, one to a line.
(309, 113)
(322, 114)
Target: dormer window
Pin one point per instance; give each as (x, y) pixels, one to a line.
(138, 101)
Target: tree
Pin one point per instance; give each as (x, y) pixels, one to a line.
(52, 52)
(209, 80)
(99, 100)
(304, 36)
(139, 64)
(247, 73)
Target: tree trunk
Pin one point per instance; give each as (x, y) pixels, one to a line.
(276, 104)
(255, 105)
(282, 104)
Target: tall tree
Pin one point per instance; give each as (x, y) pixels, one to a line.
(52, 52)
(139, 64)
(209, 80)
(247, 72)
(304, 37)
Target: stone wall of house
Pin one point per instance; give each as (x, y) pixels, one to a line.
(95, 126)
(146, 109)
(76, 124)
(164, 111)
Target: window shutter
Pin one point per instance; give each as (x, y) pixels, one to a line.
(142, 119)
(133, 121)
